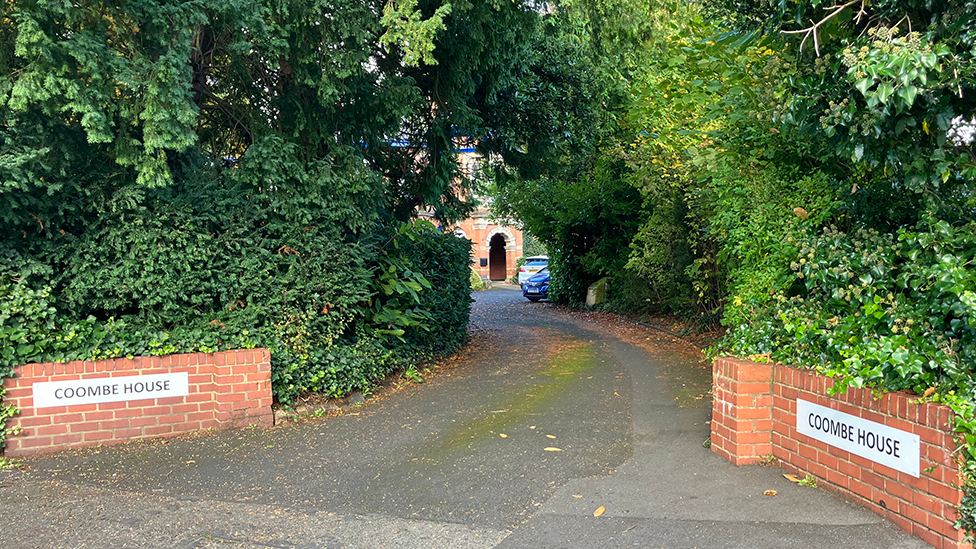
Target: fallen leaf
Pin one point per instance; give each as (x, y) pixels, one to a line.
(929, 392)
(769, 493)
(550, 436)
(577, 497)
(792, 478)
(503, 435)
(616, 393)
(551, 449)
(599, 511)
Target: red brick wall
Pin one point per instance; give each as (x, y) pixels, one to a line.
(754, 415)
(226, 390)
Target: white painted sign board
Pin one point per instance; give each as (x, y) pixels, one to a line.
(110, 389)
(871, 440)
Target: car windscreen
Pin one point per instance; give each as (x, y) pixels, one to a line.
(535, 263)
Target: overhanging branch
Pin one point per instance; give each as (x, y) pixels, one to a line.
(834, 12)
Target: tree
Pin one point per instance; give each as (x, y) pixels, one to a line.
(551, 129)
(889, 84)
(184, 175)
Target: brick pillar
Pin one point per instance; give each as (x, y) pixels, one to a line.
(242, 388)
(742, 410)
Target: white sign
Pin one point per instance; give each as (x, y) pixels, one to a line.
(110, 389)
(871, 440)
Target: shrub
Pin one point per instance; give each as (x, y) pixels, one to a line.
(444, 260)
(656, 277)
(302, 271)
(419, 306)
(889, 311)
(885, 310)
(476, 282)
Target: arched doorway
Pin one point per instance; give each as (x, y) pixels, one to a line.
(497, 268)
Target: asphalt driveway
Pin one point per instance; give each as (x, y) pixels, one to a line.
(550, 417)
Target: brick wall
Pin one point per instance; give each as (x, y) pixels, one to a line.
(226, 390)
(754, 416)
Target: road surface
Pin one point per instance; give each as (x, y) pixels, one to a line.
(550, 418)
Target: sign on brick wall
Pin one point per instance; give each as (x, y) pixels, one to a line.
(871, 440)
(110, 389)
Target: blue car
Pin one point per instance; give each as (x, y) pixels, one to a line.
(537, 286)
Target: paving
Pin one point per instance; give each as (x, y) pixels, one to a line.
(546, 420)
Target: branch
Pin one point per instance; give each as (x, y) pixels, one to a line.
(812, 30)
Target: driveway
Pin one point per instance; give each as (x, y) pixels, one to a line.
(550, 418)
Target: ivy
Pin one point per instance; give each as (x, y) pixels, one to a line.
(890, 311)
(884, 84)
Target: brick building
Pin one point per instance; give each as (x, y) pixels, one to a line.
(496, 246)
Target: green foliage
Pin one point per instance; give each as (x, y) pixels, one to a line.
(548, 122)
(585, 223)
(25, 314)
(656, 274)
(397, 287)
(748, 206)
(195, 176)
(475, 281)
(419, 283)
(412, 375)
(309, 326)
(808, 481)
(433, 267)
(331, 371)
(883, 84)
(7, 412)
(851, 116)
(887, 311)
(556, 131)
(892, 311)
(532, 246)
(407, 29)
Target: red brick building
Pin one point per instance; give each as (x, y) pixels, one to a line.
(496, 246)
